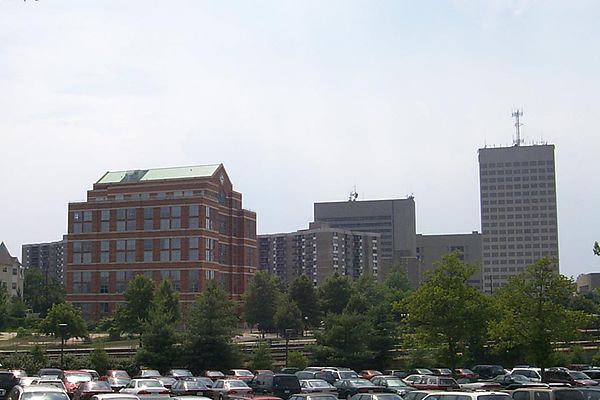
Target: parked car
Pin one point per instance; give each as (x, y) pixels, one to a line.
(549, 393)
(50, 382)
(369, 373)
(148, 373)
(436, 383)
(411, 378)
(95, 375)
(418, 394)
(313, 396)
(241, 374)
(202, 379)
(214, 375)
(280, 385)
(316, 386)
(590, 392)
(488, 371)
(73, 378)
(442, 372)
(349, 387)
(49, 372)
(166, 381)
(117, 383)
(376, 396)
(514, 381)
(36, 392)
(396, 372)
(576, 378)
(465, 373)
(27, 380)
(8, 380)
(333, 375)
(303, 375)
(179, 373)
(190, 388)
(593, 374)
(225, 388)
(117, 373)
(114, 396)
(87, 389)
(468, 396)
(288, 370)
(532, 373)
(147, 388)
(190, 398)
(392, 383)
(420, 371)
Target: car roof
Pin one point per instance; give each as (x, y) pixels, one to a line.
(42, 388)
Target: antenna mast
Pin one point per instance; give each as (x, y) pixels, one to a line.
(517, 114)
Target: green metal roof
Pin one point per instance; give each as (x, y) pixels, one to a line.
(141, 175)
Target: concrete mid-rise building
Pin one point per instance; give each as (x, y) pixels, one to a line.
(319, 252)
(185, 224)
(47, 257)
(12, 273)
(393, 219)
(588, 283)
(432, 248)
(518, 210)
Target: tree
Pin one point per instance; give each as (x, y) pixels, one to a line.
(138, 300)
(261, 357)
(4, 305)
(334, 294)
(159, 341)
(166, 301)
(40, 292)
(64, 313)
(261, 300)
(297, 360)
(99, 360)
(597, 249)
(288, 316)
(531, 313)
(396, 283)
(344, 341)
(303, 293)
(208, 342)
(446, 310)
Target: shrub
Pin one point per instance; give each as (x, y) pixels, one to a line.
(297, 360)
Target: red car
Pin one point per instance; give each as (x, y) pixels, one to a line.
(464, 373)
(87, 389)
(369, 373)
(72, 379)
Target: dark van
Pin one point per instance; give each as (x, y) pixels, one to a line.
(280, 385)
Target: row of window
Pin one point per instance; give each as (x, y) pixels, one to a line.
(526, 172)
(510, 261)
(518, 179)
(518, 208)
(519, 193)
(219, 196)
(82, 280)
(516, 186)
(516, 246)
(520, 254)
(516, 164)
(519, 201)
(504, 269)
(518, 216)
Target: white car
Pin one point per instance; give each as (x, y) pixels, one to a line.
(532, 373)
(150, 389)
(468, 396)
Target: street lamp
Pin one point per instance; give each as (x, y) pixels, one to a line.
(287, 344)
(62, 328)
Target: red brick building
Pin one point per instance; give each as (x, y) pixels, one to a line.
(185, 224)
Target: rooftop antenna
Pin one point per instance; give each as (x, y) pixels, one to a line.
(517, 114)
(353, 195)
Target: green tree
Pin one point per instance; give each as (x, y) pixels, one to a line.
(302, 291)
(344, 341)
(99, 360)
(334, 294)
(298, 360)
(597, 249)
(138, 300)
(208, 342)
(64, 313)
(41, 292)
(261, 357)
(166, 301)
(18, 309)
(396, 283)
(4, 306)
(288, 316)
(446, 310)
(159, 340)
(531, 313)
(261, 301)
(39, 359)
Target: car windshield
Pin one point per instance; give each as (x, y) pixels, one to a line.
(119, 380)
(98, 385)
(520, 378)
(195, 385)
(361, 382)
(120, 374)
(578, 375)
(237, 384)
(526, 372)
(44, 396)
(243, 372)
(446, 381)
(78, 377)
(396, 383)
(149, 383)
(150, 372)
(466, 371)
(388, 396)
(181, 372)
(348, 374)
(57, 384)
(321, 398)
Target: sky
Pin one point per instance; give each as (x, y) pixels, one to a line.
(301, 101)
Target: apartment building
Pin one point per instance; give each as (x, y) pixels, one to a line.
(47, 257)
(12, 272)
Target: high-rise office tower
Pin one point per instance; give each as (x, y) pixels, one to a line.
(518, 209)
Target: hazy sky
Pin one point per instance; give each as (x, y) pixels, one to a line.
(301, 100)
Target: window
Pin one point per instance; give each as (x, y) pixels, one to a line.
(82, 282)
(170, 249)
(130, 250)
(121, 247)
(82, 221)
(104, 282)
(122, 277)
(208, 220)
(193, 279)
(222, 254)
(209, 274)
(82, 252)
(193, 249)
(174, 276)
(148, 218)
(104, 220)
(148, 253)
(130, 219)
(193, 217)
(209, 250)
(170, 217)
(104, 310)
(105, 252)
(222, 224)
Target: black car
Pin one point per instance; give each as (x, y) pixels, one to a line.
(280, 385)
(349, 387)
(514, 381)
(393, 384)
(488, 371)
(8, 380)
(190, 388)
